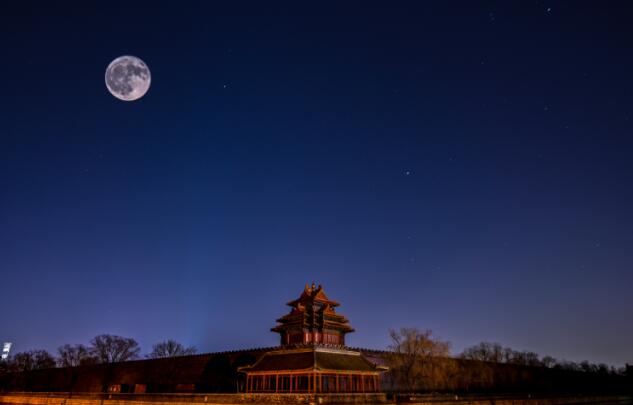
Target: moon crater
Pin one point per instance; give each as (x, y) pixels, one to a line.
(128, 78)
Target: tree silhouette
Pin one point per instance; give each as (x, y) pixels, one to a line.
(113, 349)
(75, 355)
(419, 360)
(170, 348)
(32, 360)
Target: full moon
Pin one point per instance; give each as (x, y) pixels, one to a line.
(127, 78)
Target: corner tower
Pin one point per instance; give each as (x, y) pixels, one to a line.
(313, 320)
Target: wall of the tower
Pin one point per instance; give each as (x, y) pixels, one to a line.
(329, 337)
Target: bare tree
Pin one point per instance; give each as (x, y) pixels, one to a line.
(588, 367)
(113, 349)
(418, 359)
(75, 355)
(567, 365)
(548, 361)
(495, 353)
(532, 359)
(484, 351)
(32, 360)
(508, 355)
(170, 348)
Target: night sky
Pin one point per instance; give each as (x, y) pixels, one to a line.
(460, 166)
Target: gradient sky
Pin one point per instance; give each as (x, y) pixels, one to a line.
(460, 166)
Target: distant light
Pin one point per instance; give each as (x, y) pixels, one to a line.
(6, 348)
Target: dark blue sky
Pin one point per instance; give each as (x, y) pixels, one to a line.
(459, 166)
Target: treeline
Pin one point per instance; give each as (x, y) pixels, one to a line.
(421, 362)
(102, 349)
(496, 353)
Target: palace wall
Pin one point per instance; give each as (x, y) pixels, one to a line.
(211, 372)
(217, 373)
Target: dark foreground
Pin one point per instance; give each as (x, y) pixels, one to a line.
(299, 399)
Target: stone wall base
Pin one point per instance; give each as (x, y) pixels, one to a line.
(188, 399)
(294, 399)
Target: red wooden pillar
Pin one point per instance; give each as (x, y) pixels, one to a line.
(276, 382)
(362, 383)
(337, 386)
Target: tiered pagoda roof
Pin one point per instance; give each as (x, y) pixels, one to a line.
(319, 359)
(313, 319)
